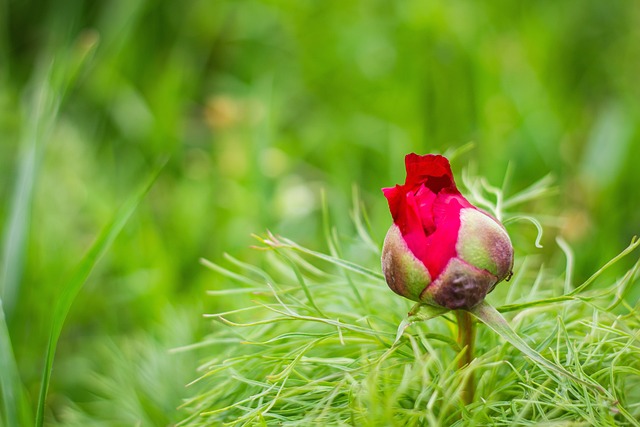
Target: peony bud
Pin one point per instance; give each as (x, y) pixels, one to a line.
(441, 250)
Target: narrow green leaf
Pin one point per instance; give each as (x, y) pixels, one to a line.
(51, 80)
(538, 189)
(14, 399)
(280, 242)
(537, 303)
(573, 294)
(568, 252)
(622, 288)
(533, 221)
(635, 242)
(71, 289)
(358, 221)
(418, 313)
(334, 244)
(301, 281)
(494, 320)
(42, 112)
(453, 153)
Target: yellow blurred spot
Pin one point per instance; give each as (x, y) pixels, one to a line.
(222, 112)
(576, 225)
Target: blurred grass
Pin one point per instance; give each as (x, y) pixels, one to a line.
(260, 104)
(70, 289)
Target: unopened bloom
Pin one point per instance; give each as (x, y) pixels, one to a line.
(441, 250)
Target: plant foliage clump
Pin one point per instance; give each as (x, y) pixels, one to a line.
(312, 340)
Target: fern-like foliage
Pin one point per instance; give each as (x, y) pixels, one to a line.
(310, 339)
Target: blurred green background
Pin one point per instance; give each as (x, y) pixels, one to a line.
(259, 107)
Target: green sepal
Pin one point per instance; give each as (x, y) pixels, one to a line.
(484, 243)
(420, 312)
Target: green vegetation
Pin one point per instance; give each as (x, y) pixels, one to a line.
(315, 344)
(264, 112)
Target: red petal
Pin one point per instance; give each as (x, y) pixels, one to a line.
(395, 197)
(425, 198)
(441, 244)
(432, 170)
(412, 230)
(405, 212)
(427, 210)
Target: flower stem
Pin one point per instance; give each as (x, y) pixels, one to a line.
(466, 338)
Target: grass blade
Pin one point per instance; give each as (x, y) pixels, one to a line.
(280, 242)
(494, 320)
(43, 112)
(73, 286)
(51, 81)
(14, 400)
(635, 242)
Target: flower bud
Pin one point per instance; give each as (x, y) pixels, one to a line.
(441, 250)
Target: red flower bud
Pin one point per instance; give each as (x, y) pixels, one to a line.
(441, 250)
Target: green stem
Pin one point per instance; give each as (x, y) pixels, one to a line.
(466, 340)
